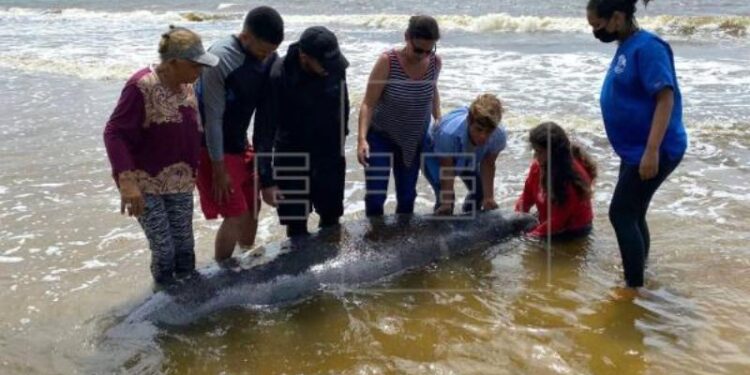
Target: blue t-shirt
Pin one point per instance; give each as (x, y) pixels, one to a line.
(641, 68)
(451, 138)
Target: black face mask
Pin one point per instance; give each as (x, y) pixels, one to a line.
(605, 36)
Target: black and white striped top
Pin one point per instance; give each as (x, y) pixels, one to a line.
(405, 107)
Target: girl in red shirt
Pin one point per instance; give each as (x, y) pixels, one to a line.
(572, 171)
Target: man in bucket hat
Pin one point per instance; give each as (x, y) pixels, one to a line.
(307, 126)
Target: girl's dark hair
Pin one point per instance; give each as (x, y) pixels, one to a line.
(265, 23)
(606, 8)
(423, 27)
(561, 157)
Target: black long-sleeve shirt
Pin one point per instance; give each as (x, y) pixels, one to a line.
(230, 94)
(306, 113)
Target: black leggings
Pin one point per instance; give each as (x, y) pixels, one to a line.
(627, 213)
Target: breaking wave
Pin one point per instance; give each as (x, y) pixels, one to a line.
(683, 26)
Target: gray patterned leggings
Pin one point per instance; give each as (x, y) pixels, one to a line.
(168, 224)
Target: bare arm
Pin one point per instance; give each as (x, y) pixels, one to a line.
(488, 181)
(649, 166)
(375, 85)
(530, 189)
(436, 113)
(446, 196)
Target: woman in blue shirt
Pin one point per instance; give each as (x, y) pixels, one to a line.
(642, 110)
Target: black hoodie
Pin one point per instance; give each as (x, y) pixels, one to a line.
(306, 113)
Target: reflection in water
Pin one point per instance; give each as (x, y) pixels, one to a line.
(615, 323)
(409, 324)
(566, 332)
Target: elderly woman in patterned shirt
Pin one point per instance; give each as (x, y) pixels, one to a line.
(152, 140)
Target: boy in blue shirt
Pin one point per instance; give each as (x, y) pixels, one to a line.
(465, 144)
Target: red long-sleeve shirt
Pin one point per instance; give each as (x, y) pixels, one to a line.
(575, 213)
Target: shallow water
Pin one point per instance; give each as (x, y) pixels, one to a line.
(71, 267)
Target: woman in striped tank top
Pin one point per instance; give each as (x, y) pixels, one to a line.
(400, 99)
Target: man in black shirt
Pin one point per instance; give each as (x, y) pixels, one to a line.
(307, 125)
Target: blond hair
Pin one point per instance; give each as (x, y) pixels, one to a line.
(176, 40)
(486, 111)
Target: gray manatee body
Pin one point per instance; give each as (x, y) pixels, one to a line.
(358, 253)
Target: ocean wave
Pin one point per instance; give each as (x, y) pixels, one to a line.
(75, 14)
(681, 26)
(208, 17)
(685, 26)
(92, 70)
(732, 26)
(525, 110)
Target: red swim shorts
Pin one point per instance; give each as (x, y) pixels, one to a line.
(245, 194)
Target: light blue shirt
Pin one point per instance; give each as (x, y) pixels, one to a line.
(451, 138)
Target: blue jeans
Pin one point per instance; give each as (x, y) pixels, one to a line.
(471, 179)
(384, 157)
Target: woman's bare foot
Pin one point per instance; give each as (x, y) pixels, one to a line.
(625, 293)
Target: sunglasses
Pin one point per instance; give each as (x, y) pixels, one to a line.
(420, 51)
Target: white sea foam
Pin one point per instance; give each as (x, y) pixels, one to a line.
(3, 189)
(532, 84)
(20, 208)
(703, 26)
(53, 185)
(12, 251)
(4, 259)
(24, 217)
(115, 237)
(73, 14)
(94, 264)
(683, 26)
(86, 284)
(79, 288)
(50, 278)
(731, 196)
(506, 23)
(53, 250)
(95, 70)
(225, 6)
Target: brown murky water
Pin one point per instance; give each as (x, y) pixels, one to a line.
(71, 267)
